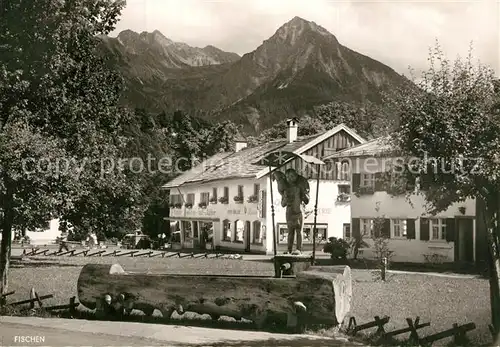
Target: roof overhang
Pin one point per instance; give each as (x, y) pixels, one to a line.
(379, 148)
(277, 159)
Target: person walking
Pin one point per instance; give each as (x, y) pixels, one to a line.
(63, 242)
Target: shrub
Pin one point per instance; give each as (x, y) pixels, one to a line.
(337, 248)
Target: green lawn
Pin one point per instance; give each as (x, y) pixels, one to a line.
(440, 300)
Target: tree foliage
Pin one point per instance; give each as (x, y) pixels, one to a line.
(58, 106)
(451, 125)
(368, 120)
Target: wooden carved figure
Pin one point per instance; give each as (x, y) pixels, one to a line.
(294, 191)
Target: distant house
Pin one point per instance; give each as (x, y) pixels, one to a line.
(229, 195)
(45, 235)
(450, 236)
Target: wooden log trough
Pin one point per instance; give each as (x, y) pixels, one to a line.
(308, 299)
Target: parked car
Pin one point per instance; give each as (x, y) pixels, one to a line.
(137, 241)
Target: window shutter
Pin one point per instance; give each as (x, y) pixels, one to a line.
(379, 181)
(356, 181)
(424, 229)
(386, 228)
(355, 230)
(410, 229)
(450, 229)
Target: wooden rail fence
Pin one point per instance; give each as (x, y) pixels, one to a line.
(381, 336)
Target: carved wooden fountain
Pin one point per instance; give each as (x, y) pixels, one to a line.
(311, 297)
(295, 297)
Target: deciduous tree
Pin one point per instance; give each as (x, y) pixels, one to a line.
(58, 104)
(453, 117)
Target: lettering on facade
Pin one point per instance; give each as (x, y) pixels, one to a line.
(200, 213)
(176, 212)
(244, 211)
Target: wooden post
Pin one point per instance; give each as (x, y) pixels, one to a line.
(30, 301)
(315, 230)
(377, 322)
(275, 243)
(72, 305)
(412, 329)
(458, 332)
(32, 298)
(99, 253)
(383, 268)
(3, 297)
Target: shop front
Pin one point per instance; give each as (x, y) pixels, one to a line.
(192, 233)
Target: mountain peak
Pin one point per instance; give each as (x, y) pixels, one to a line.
(156, 37)
(297, 20)
(297, 26)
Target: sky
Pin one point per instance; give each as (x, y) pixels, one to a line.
(397, 33)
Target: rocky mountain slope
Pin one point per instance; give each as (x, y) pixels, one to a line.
(301, 66)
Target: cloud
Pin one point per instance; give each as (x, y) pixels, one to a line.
(396, 33)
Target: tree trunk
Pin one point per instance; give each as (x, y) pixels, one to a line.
(5, 248)
(313, 297)
(492, 223)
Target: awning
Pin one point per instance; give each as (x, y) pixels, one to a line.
(192, 219)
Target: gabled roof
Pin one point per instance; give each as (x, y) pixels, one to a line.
(376, 147)
(246, 162)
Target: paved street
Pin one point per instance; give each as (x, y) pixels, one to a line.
(28, 331)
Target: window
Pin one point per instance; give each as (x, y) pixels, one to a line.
(366, 227)
(347, 230)
(344, 171)
(256, 189)
(283, 233)
(190, 199)
(307, 233)
(438, 229)
(398, 228)
(226, 192)
(344, 189)
(204, 197)
(239, 228)
(240, 191)
(214, 193)
(321, 233)
(226, 230)
(176, 199)
(367, 180)
(257, 235)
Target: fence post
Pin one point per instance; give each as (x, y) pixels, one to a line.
(384, 268)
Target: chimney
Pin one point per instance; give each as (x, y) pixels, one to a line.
(291, 131)
(240, 143)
